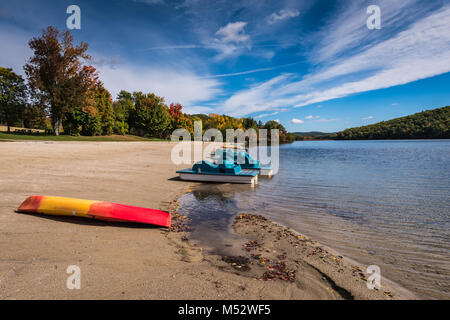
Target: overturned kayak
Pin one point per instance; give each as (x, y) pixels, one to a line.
(106, 211)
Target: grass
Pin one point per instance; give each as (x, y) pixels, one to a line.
(11, 136)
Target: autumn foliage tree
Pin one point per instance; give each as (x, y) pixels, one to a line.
(178, 119)
(55, 73)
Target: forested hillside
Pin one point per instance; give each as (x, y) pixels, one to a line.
(430, 124)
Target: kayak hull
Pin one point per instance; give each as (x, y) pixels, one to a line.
(100, 210)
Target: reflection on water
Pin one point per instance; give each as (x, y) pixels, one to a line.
(211, 209)
(378, 202)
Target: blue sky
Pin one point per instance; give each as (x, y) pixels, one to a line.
(312, 65)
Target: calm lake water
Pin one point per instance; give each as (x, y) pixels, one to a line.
(377, 202)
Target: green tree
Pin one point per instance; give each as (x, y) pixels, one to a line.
(106, 111)
(149, 115)
(121, 113)
(249, 123)
(55, 73)
(13, 97)
(430, 124)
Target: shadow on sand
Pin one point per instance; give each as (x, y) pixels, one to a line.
(92, 222)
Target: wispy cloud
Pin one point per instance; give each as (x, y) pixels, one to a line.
(176, 85)
(367, 118)
(263, 115)
(327, 120)
(250, 71)
(418, 52)
(181, 46)
(259, 98)
(282, 15)
(230, 39)
(347, 29)
(233, 32)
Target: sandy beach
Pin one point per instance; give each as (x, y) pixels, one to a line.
(130, 262)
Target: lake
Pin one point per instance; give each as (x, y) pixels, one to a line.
(382, 203)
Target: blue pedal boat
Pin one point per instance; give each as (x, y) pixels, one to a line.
(247, 162)
(226, 172)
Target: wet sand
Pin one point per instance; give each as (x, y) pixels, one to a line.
(134, 262)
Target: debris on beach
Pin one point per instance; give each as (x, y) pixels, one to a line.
(252, 245)
(277, 253)
(237, 262)
(179, 223)
(279, 271)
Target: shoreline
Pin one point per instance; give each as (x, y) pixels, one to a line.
(400, 291)
(120, 261)
(293, 253)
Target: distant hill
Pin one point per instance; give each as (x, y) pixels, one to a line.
(311, 134)
(430, 124)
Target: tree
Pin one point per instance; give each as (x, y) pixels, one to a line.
(284, 136)
(13, 97)
(430, 124)
(95, 114)
(55, 73)
(249, 123)
(99, 98)
(34, 117)
(179, 119)
(149, 115)
(121, 110)
(122, 107)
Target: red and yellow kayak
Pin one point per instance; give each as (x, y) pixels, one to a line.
(107, 211)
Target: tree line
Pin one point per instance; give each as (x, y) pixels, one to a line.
(430, 124)
(62, 94)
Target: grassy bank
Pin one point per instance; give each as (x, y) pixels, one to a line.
(42, 137)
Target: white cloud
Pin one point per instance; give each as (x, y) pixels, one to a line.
(233, 32)
(419, 52)
(180, 46)
(259, 98)
(367, 118)
(282, 14)
(296, 121)
(231, 39)
(328, 120)
(277, 120)
(347, 29)
(309, 117)
(178, 86)
(395, 104)
(250, 71)
(263, 115)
